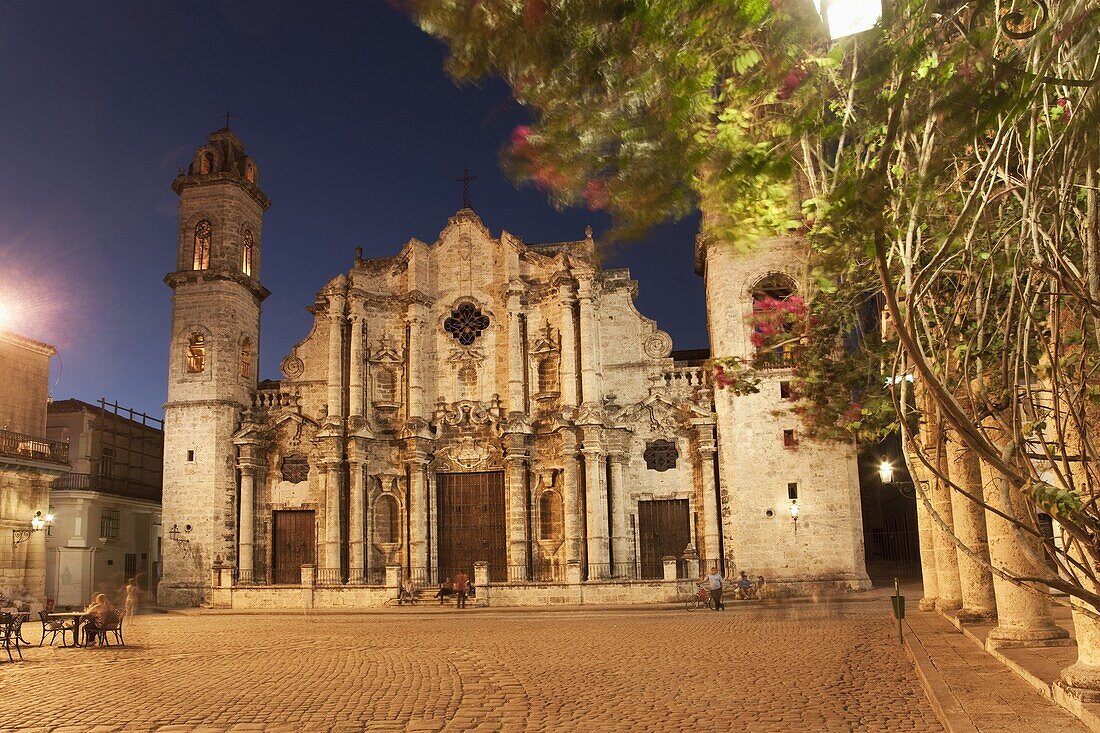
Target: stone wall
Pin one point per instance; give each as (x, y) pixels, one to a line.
(24, 385)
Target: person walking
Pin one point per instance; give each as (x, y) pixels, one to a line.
(462, 587)
(714, 584)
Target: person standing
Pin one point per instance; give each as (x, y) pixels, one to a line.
(130, 598)
(462, 587)
(714, 584)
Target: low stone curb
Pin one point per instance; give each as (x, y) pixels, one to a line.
(944, 703)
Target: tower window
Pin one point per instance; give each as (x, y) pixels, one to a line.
(246, 358)
(190, 456)
(202, 245)
(785, 389)
(789, 439)
(660, 455)
(196, 353)
(792, 491)
(246, 252)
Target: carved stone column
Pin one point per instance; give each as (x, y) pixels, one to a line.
(571, 497)
(336, 356)
(949, 595)
(333, 538)
(595, 473)
(976, 580)
(516, 460)
(515, 350)
(590, 346)
(568, 371)
(418, 507)
(356, 389)
(621, 548)
(357, 502)
(1023, 616)
(704, 432)
(929, 576)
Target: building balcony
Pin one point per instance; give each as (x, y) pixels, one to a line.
(32, 448)
(107, 485)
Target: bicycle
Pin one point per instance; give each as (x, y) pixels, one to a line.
(700, 600)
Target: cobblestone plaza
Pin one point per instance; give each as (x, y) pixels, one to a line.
(803, 667)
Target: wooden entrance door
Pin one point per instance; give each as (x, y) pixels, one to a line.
(294, 543)
(663, 529)
(471, 523)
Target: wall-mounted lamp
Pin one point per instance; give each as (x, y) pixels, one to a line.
(794, 513)
(174, 534)
(38, 523)
(886, 472)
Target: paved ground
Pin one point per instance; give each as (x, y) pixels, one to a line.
(800, 668)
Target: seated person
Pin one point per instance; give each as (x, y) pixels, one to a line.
(446, 588)
(470, 588)
(406, 592)
(759, 590)
(95, 618)
(744, 587)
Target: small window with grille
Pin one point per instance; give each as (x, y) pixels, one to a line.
(660, 455)
(108, 524)
(295, 468)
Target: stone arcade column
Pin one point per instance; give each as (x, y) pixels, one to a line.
(1023, 616)
(356, 399)
(336, 357)
(571, 477)
(333, 538)
(590, 344)
(707, 449)
(929, 576)
(357, 502)
(621, 548)
(516, 460)
(976, 580)
(245, 560)
(418, 507)
(567, 375)
(949, 594)
(595, 473)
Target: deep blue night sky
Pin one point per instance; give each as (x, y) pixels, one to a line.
(345, 106)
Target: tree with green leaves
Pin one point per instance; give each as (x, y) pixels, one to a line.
(943, 165)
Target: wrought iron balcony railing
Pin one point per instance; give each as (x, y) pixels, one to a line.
(107, 485)
(32, 448)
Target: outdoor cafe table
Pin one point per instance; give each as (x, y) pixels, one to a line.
(74, 617)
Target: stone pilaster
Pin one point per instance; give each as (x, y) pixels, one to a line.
(416, 320)
(929, 576)
(1023, 615)
(571, 477)
(515, 349)
(622, 549)
(590, 348)
(976, 580)
(245, 561)
(568, 371)
(949, 595)
(516, 462)
(704, 432)
(357, 504)
(417, 461)
(333, 535)
(595, 472)
(336, 304)
(356, 388)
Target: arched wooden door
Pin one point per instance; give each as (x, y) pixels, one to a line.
(471, 512)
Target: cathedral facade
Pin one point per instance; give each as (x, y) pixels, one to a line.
(476, 399)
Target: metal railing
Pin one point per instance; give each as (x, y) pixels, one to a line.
(897, 546)
(246, 576)
(107, 485)
(368, 576)
(32, 447)
(613, 571)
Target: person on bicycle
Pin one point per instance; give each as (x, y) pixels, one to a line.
(714, 585)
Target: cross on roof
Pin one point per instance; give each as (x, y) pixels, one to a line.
(465, 180)
(228, 114)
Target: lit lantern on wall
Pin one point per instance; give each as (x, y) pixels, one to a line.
(886, 472)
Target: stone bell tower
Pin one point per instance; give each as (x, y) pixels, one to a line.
(214, 343)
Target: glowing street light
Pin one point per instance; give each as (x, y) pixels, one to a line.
(848, 17)
(886, 472)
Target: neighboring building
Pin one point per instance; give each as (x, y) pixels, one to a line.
(473, 399)
(28, 463)
(107, 511)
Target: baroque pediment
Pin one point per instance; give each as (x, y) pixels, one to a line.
(661, 414)
(468, 453)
